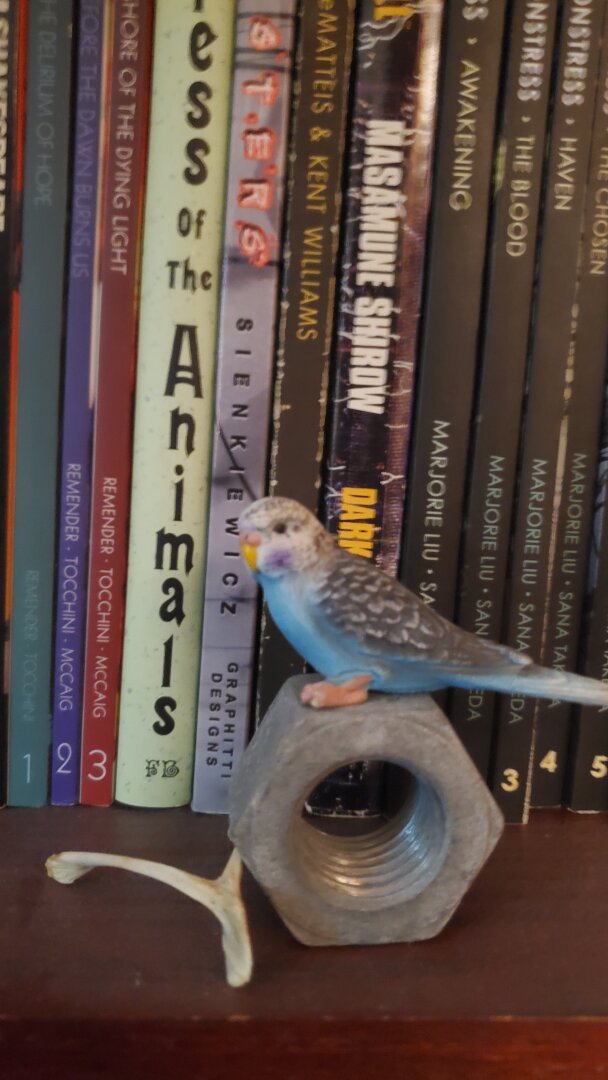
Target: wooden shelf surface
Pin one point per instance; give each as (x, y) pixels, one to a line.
(120, 973)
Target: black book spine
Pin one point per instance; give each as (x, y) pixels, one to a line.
(580, 437)
(532, 548)
(389, 167)
(389, 170)
(12, 62)
(310, 252)
(520, 157)
(473, 48)
(586, 787)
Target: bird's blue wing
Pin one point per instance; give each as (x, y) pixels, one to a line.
(384, 619)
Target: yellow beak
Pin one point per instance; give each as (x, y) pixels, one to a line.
(250, 555)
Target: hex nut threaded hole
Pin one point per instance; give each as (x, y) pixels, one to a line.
(379, 862)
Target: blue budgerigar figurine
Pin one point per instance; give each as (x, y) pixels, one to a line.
(362, 630)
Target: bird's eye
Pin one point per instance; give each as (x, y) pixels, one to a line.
(280, 528)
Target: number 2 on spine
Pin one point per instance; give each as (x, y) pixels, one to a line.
(64, 756)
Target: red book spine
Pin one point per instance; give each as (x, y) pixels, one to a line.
(112, 388)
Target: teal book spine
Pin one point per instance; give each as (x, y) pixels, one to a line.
(45, 194)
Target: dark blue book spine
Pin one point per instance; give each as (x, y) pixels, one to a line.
(75, 476)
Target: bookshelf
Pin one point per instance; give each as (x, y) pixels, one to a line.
(120, 977)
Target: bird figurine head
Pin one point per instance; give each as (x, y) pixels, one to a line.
(280, 536)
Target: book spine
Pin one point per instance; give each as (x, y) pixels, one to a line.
(531, 567)
(586, 787)
(252, 247)
(174, 399)
(518, 171)
(389, 168)
(580, 434)
(459, 218)
(13, 55)
(112, 387)
(310, 252)
(389, 165)
(75, 489)
(41, 317)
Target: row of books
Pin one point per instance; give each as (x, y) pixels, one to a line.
(142, 197)
(499, 517)
(350, 253)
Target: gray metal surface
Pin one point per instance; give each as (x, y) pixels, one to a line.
(401, 882)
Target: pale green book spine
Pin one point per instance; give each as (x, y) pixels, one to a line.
(182, 244)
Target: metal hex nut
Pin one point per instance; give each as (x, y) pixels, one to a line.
(403, 881)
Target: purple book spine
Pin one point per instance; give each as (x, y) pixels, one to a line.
(74, 505)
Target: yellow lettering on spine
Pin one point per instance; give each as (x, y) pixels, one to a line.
(365, 550)
(358, 506)
(393, 11)
(356, 532)
(357, 513)
(366, 496)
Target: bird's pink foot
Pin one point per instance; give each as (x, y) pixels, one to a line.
(328, 695)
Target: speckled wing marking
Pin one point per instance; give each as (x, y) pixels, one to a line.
(386, 619)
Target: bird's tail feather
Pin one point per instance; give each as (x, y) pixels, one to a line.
(543, 682)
